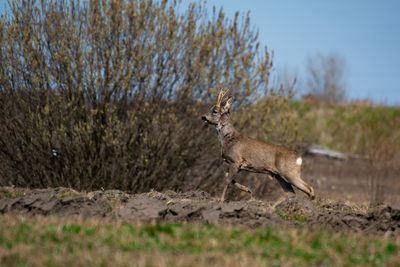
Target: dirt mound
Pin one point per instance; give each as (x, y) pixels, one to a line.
(199, 206)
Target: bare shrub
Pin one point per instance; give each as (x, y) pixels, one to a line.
(108, 94)
(326, 77)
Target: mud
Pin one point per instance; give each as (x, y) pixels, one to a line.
(200, 207)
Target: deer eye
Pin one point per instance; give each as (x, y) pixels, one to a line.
(214, 112)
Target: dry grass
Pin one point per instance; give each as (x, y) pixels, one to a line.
(350, 127)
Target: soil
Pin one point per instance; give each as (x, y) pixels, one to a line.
(352, 180)
(200, 207)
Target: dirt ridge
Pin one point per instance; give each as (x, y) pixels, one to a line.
(200, 207)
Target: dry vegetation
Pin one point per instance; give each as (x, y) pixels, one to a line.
(108, 95)
(370, 132)
(87, 106)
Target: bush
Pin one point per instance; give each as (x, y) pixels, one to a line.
(109, 94)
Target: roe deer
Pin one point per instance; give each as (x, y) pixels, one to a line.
(245, 153)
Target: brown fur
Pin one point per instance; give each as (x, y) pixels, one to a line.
(245, 153)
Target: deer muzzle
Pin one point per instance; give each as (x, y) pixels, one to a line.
(204, 119)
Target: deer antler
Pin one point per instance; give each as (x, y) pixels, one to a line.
(221, 96)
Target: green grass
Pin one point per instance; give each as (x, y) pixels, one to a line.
(7, 192)
(296, 215)
(54, 241)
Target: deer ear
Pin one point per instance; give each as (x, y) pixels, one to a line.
(227, 105)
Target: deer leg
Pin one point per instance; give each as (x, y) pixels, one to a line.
(229, 179)
(285, 185)
(287, 188)
(241, 187)
(303, 186)
(279, 201)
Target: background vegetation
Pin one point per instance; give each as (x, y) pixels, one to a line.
(109, 95)
(368, 132)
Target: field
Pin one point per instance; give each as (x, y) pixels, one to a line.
(55, 241)
(104, 160)
(61, 226)
(358, 127)
(351, 180)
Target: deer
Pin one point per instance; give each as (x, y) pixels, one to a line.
(241, 152)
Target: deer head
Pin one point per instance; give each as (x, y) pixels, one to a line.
(213, 116)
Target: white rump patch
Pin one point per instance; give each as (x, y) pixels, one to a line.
(299, 161)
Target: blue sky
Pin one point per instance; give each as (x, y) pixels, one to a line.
(365, 33)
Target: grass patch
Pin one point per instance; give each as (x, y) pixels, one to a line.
(69, 193)
(296, 215)
(58, 241)
(10, 192)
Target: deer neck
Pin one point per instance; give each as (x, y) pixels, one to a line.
(225, 129)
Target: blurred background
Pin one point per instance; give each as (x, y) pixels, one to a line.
(109, 94)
